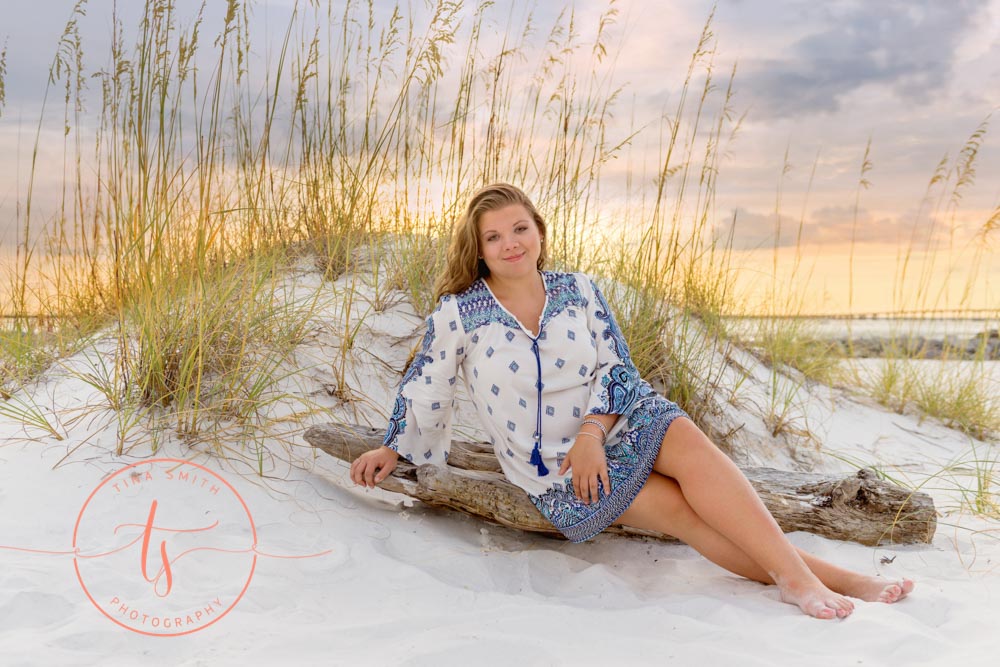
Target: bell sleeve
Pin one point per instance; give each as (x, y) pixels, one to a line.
(616, 385)
(420, 426)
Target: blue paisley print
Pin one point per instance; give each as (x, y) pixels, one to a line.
(478, 308)
(530, 393)
(622, 384)
(397, 421)
(563, 291)
(630, 462)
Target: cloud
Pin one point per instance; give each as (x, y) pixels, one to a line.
(829, 225)
(906, 46)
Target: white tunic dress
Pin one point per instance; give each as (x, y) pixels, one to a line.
(532, 393)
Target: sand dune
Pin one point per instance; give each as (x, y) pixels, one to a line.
(380, 579)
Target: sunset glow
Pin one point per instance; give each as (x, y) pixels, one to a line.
(837, 124)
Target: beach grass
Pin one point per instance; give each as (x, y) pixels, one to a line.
(210, 163)
(957, 394)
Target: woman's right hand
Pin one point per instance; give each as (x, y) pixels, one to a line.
(590, 468)
(372, 467)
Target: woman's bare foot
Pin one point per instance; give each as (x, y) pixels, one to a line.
(877, 589)
(815, 599)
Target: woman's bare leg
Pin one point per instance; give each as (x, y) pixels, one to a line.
(722, 497)
(661, 506)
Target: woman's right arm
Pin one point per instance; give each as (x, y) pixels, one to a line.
(419, 429)
(374, 466)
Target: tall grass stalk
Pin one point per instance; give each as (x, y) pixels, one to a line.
(3, 77)
(209, 157)
(955, 391)
(959, 396)
(197, 175)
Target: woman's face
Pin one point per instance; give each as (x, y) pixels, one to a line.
(510, 242)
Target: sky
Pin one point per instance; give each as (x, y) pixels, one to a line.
(816, 80)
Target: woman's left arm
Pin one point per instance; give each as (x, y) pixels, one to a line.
(587, 458)
(616, 384)
(607, 421)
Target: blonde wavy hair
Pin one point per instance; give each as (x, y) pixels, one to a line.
(464, 265)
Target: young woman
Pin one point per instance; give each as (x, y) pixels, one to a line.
(551, 379)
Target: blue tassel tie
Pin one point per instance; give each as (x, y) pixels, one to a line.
(536, 460)
(536, 453)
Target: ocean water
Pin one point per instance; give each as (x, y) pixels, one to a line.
(835, 328)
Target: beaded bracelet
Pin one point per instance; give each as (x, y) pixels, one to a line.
(598, 425)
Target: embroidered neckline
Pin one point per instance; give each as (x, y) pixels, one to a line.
(541, 318)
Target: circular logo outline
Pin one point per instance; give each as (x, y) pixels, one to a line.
(108, 479)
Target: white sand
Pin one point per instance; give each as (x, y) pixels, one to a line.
(403, 583)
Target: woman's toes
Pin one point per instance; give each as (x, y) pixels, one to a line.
(890, 593)
(895, 591)
(833, 608)
(826, 612)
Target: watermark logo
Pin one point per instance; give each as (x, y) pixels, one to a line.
(164, 547)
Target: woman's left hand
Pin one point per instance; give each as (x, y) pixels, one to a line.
(586, 458)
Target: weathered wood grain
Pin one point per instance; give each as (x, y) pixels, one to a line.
(859, 507)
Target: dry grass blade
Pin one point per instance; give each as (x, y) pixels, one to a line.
(205, 167)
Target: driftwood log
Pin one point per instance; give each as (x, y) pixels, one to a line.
(859, 507)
